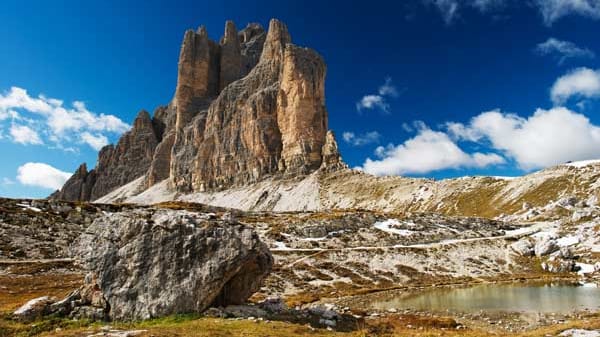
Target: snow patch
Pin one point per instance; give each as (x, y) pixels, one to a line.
(585, 268)
(29, 207)
(580, 333)
(386, 226)
(583, 163)
(567, 241)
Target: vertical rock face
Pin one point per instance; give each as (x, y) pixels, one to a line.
(129, 160)
(248, 107)
(301, 114)
(272, 121)
(231, 56)
(79, 186)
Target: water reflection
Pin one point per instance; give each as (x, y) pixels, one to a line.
(559, 298)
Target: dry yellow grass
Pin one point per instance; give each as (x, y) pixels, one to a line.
(186, 326)
(16, 290)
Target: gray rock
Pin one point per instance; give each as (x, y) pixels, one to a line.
(33, 309)
(566, 253)
(151, 263)
(558, 265)
(244, 311)
(545, 246)
(273, 304)
(523, 247)
(248, 107)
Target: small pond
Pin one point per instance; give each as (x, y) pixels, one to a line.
(522, 297)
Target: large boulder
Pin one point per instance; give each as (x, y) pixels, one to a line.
(150, 263)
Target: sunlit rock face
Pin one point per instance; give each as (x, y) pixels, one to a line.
(245, 108)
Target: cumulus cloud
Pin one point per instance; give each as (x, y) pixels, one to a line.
(581, 82)
(41, 175)
(379, 100)
(95, 141)
(552, 10)
(546, 138)
(361, 139)
(9, 114)
(25, 135)
(428, 151)
(61, 123)
(563, 50)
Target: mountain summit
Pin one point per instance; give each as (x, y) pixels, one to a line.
(248, 107)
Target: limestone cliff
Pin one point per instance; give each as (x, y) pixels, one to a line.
(245, 108)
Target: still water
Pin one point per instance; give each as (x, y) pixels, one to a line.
(559, 298)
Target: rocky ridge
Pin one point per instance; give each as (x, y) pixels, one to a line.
(248, 107)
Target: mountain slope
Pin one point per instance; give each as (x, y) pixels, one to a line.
(350, 189)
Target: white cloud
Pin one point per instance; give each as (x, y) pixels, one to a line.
(6, 114)
(450, 9)
(388, 89)
(378, 101)
(459, 131)
(581, 82)
(63, 124)
(563, 50)
(488, 5)
(25, 135)
(41, 175)
(428, 151)
(361, 139)
(372, 102)
(552, 10)
(546, 138)
(95, 141)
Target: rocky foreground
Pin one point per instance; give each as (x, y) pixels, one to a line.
(128, 262)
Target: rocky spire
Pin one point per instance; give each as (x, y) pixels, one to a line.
(196, 75)
(231, 57)
(78, 187)
(332, 160)
(214, 135)
(277, 38)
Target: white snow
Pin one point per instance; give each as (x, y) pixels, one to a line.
(314, 239)
(585, 268)
(567, 241)
(503, 177)
(583, 163)
(538, 229)
(386, 226)
(280, 246)
(29, 207)
(580, 333)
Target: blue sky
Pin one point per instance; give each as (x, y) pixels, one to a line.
(434, 88)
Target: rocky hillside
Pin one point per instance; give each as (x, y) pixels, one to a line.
(537, 196)
(248, 107)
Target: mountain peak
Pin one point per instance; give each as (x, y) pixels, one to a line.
(248, 107)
